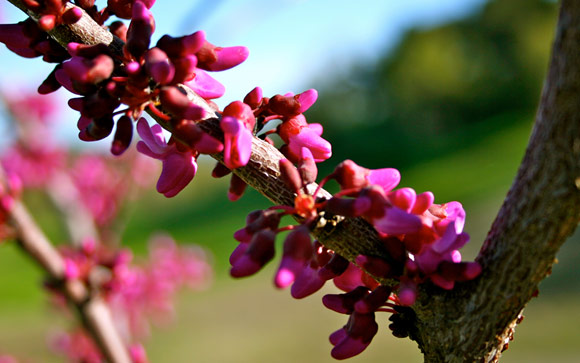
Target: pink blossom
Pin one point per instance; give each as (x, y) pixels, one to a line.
(297, 253)
(32, 107)
(7, 359)
(136, 294)
(77, 346)
(123, 8)
(178, 167)
(355, 336)
(36, 165)
(396, 221)
(212, 58)
(298, 134)
(89, 70)
(237, 142)
(237, 123)
(100, 187)
(307, 282)
(206, 86)
(352, 176)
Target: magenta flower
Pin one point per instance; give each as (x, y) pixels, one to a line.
(212, 58)
(237, 124)
(178, 167)
(124, 8)
(307, 282)
(237, 142)
(396, 221)
(298, 134)
(386, 218)
(258, 252)
(92, 70)
(352, 278)
(206, 86)
(297, 253)
(443, 249)
(355, 336)
(291, 105)
(350, 175)
(441, 259)
(140, 29)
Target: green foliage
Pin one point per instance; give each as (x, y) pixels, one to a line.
(441, 89)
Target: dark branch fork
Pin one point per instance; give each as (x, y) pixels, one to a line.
(473, 321)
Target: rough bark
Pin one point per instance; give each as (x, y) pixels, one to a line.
(475, 320)
(542, 208)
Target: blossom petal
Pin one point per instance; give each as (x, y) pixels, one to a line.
(206, 86)
(178, 170)
(387, 178)
(397, 221)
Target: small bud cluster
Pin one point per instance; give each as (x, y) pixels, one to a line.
(136, 294)
(27, 40)
(39, 161)
(302, 141)
(422, 239)
(54, 12)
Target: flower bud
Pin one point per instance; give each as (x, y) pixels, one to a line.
(260, 251)
(123, 135)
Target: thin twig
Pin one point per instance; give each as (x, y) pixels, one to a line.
(93, 311)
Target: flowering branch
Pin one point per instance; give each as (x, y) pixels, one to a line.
(475, 320)
(93, 311)
(351, 238)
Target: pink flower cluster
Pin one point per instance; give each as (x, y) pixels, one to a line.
(27, 40)
(144, 77)
(294, 130)
(7, 359)
(32, 155)
(241, 120)
(422, 240)
(430, 234)
(53, 13)
(99, 183)
(136, 294)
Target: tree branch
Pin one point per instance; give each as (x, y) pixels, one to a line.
(350, 238)
(473, 321)
(93, 311)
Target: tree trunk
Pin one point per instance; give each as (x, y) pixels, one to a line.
(475, 320)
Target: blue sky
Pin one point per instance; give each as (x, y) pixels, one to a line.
(293, 43)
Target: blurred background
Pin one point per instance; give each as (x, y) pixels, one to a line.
(444, 91)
